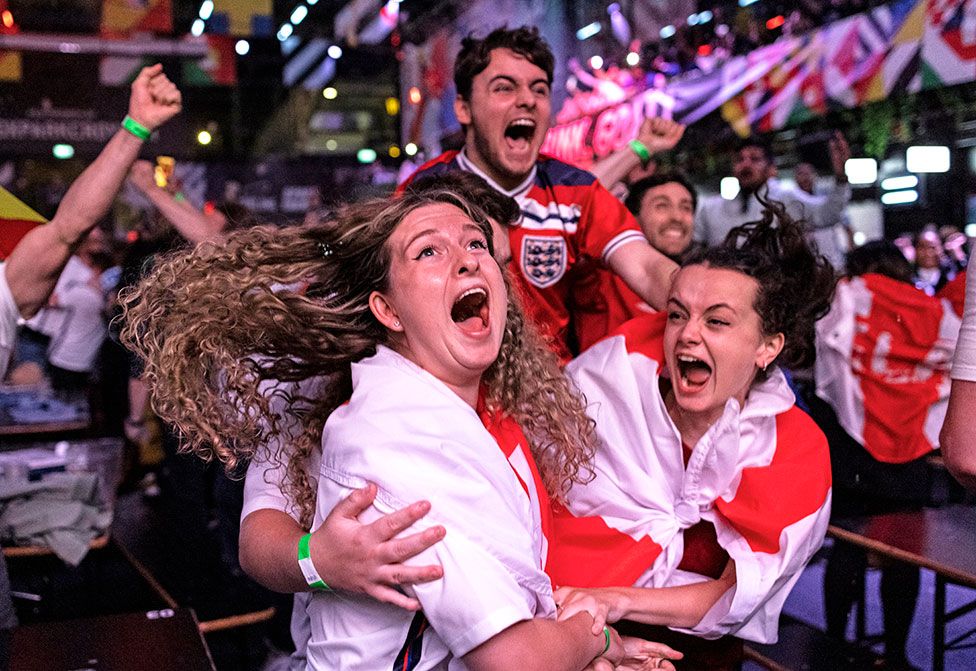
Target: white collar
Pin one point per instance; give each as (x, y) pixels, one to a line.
(468, 165)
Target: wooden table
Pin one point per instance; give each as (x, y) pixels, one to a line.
(942, 540)
(166, 640)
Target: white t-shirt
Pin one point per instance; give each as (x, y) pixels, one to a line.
(964, 364)
(414, 437)
(8, 321)
(77, 324)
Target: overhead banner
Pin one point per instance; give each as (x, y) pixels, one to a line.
(123, 18)
(904, 47)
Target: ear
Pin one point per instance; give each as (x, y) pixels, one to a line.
(384, 312)
(462, 110)
(769, 349)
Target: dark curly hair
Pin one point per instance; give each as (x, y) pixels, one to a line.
(796, 283)
(475, 54)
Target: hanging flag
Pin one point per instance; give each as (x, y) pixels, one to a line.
(122, 18)
(218, 68)
(16, 219)
(883, 356)
(242, 17)
(121, 70)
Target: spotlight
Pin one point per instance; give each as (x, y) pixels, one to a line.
(729, 188)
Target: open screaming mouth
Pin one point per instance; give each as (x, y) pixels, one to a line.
(521, 129)
(472, 304)
(694, 372)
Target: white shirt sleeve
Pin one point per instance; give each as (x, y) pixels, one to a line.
(964, 364)
(466, 612)
(8, 321)
(265, 476)
(262, 488)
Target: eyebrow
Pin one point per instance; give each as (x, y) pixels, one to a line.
(434, 231)
(511, 80)
(429, 231)
(716, 306)
(507, 78)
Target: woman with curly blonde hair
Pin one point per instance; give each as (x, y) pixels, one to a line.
(406, 291)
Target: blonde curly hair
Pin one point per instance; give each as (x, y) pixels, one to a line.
(223, 326)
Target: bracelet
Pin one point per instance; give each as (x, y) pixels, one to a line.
(136, 128)
(641, 150)
(606, 629)
(312, 576)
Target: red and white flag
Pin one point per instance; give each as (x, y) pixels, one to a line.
(760, 475)
(883, 357)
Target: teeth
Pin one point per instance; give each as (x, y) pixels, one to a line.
(687, 359)
(523, 122)
(475, 290)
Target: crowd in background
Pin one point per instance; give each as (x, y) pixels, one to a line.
(899, 346)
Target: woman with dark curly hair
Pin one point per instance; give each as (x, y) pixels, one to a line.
(708, 478)
(444, 372)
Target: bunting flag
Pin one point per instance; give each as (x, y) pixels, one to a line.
(949, 46)
(242, 18)
(905, 46)
(16, 219)
(883, 356)
(122, 18)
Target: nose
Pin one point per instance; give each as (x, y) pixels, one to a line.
(467, 262)
(525, 97)
(690, 333)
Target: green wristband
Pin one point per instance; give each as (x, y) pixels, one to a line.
(137, 128)
(641, 150)
(312, 576)
(606, 629)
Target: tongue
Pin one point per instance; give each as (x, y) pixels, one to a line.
(471, 325)
(697, 374)
(517, 143)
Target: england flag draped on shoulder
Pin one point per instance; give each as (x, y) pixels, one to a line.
(760, 475)
(883, 357)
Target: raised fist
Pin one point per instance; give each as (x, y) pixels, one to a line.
(154, 99)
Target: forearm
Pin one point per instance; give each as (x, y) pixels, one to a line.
(646, 271)
(957, 439)
(545, 645)
(186, 219)
(37, 261)
(681, 606)
(269, 550)
(616, 166)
